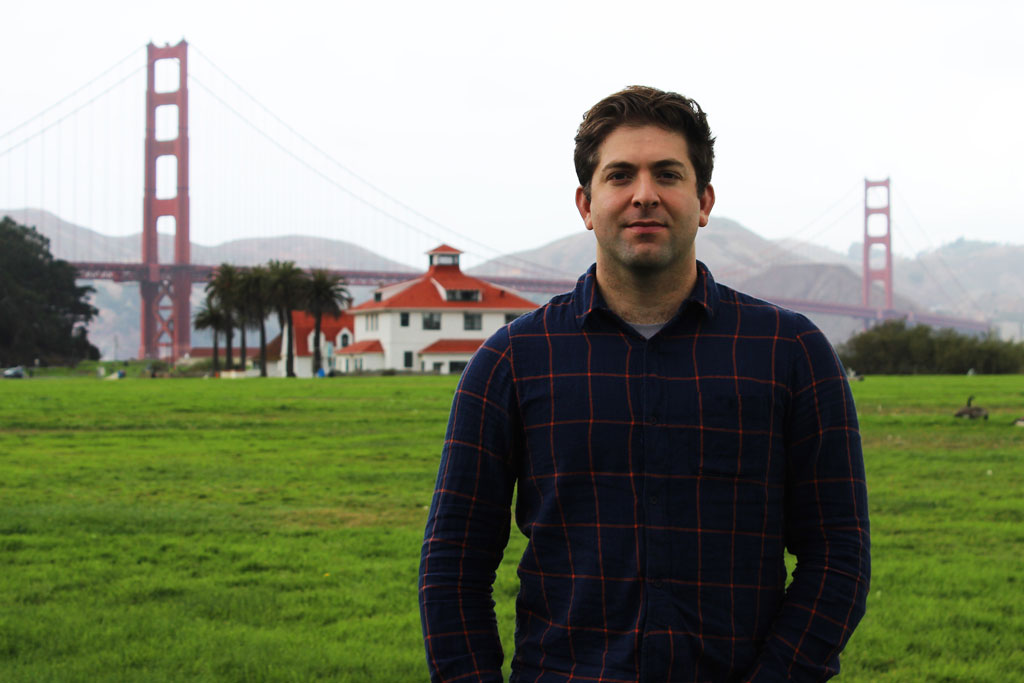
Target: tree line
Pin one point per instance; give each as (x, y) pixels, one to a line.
(43, 310)
(243, 298)
(895, 348)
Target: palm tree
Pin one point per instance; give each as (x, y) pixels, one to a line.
(257, 306)
(286, 285)
(325, 294)
(224, 288)
(211, 317)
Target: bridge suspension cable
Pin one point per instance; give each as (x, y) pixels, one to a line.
(952, 274)
(131, 55)
(47, 127)
(536, 268)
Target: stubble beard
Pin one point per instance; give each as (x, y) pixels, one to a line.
(645, 257)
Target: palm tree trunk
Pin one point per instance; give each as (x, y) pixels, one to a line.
(229, 333)
(281, 324)
(242, 349)
(316, 344)
(216, 355)
(263, 348)
(290, 358)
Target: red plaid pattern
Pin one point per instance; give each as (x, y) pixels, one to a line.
(659, 483)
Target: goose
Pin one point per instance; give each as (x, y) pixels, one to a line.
(972, 412)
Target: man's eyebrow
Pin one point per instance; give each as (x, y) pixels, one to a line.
(627, 166)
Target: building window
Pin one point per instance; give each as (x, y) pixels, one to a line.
(472, 321)
(377, 296)
(403, 319)
(457, 366)
(344, 340)
(371, 321)
(408, 359)
(432, 321)
(444, 259)
(462, 294)
(438, 367)
(509, 317)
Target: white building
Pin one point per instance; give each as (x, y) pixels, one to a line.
(336, 333)
(432, 323)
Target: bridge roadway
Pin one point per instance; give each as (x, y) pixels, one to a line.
(140, 272)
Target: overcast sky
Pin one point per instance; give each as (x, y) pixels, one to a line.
(466, 111)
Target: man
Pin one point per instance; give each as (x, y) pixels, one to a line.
(670, 437)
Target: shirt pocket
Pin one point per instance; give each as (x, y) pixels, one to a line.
(737, 434)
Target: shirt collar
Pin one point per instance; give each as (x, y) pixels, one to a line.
(587, 298)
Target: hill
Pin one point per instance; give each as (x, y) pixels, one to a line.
(979, 280)
(964, 278)
(70, 241)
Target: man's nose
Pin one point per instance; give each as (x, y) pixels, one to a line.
(646, 192)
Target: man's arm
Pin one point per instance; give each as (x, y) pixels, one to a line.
(469, 521)
(826, 522)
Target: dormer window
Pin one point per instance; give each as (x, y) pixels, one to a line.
(462, 294)
(377, 296)
(444, 259)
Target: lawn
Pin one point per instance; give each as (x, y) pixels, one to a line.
(269, 530)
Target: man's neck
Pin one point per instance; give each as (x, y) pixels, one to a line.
(646, 298)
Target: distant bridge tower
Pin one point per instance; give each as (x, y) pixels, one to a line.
(884, 273)
(166, 315)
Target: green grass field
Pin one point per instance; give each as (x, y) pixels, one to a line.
(269, 530)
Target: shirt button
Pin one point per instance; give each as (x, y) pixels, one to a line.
(653, 500)
(657, 583)
(652, 420)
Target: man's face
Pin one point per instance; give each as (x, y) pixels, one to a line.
(644, 208)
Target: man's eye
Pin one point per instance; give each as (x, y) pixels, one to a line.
(669, 175)
(619, 175)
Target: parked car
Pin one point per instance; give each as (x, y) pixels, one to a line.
(17, 372)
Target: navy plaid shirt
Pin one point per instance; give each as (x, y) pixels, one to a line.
(659, 483)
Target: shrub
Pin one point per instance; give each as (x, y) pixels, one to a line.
(894, 348)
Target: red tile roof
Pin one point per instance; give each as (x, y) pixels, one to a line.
(368, 346)
(453, 346)
(427, 291)
(303, 324)
(274, 348)
(444, 249)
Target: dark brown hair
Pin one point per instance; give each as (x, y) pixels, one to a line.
(639, 105)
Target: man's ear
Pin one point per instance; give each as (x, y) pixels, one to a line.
(707, 200)
(583, 204)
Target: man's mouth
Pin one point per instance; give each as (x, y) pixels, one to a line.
(645, 226)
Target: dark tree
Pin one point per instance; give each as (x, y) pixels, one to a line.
(257, 306)
(224, 288)
(287, 285)
(325, 295)
(895, 348)
(43, 311)
(211, 317)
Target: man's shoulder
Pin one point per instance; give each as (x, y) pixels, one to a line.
(753, 311)
(557, 315)
(551, 317)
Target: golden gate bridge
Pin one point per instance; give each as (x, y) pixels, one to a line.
(165, 288)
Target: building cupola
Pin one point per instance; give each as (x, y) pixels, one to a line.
(444, 256)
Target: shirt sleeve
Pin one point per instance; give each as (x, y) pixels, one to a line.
(469, 520)
(826, 523)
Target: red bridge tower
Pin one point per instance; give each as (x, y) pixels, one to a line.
(884, 273)
(166, 314)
